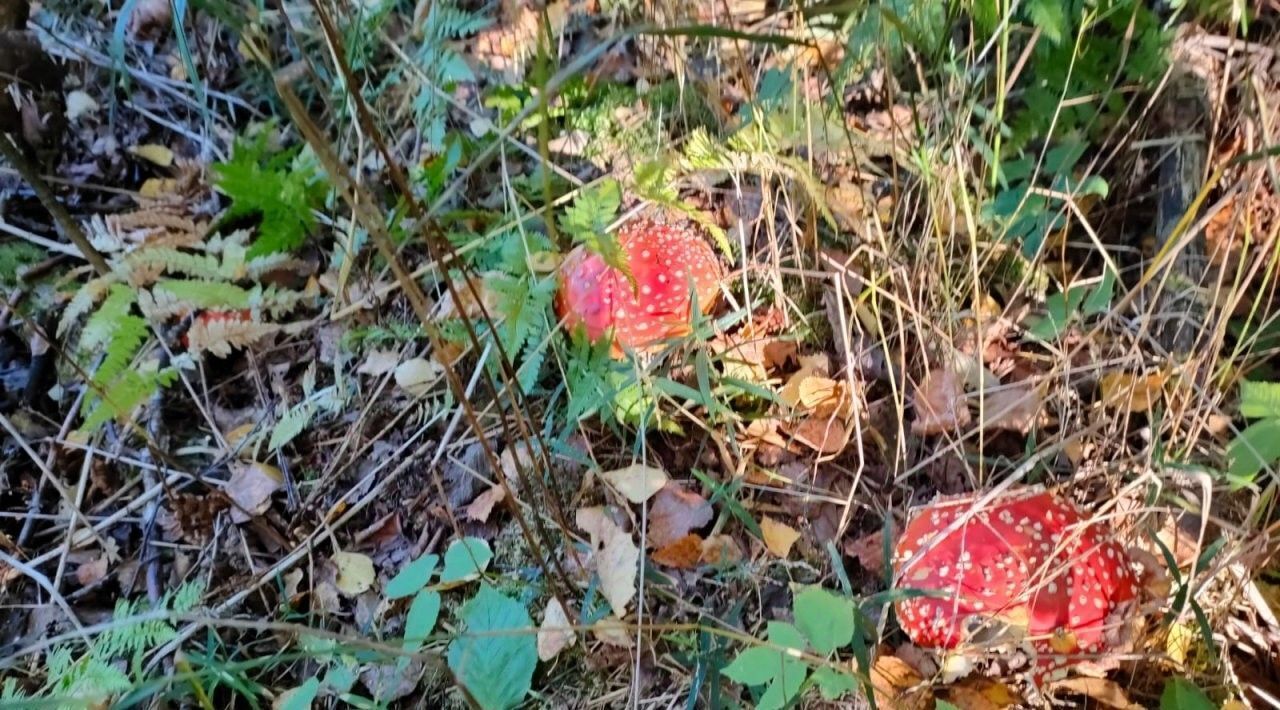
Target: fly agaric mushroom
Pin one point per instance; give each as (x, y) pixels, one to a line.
(667, 261)
(1027, 567)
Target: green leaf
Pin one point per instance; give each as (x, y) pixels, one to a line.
(781, 633)
(496, 667)
(785, 686)
(300, 697)
(466, 559)
(589, 218)
(1182, 694)
(833, 683)
(826, 619)
(283, 193)
(1259, 399)
(944, 705)
(412, 577)
(1099, 299)
(421, 619)
(1254, 448)
(1050, 16)
(754, 666)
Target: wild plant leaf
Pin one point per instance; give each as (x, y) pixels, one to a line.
(412, 577)
(1050, 16)
(1254, 449)
(1182, 694)
(467, 558)
(1259, 399)
(272, 187)
(588, 219)
(825, 619)
(421, 619)
(496, 652)
(833, 683)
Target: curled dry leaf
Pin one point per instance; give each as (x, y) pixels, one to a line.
(637, 482)
(684, 553)
(898, 685)
(982, 694)
(939, 404)
(150, 19)
(1107, 692)
(416, 376)
(720, 550)
(480, 508)
(250, 489)
(826, 436)
(674, 513)
(355, 572)
(554, 635)
(379, 362)
(1132, 393)
(91, 571)
(778, 536)
(616, 557)
(1015, 407)
(611, 631)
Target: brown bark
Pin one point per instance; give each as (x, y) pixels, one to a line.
(13, 14)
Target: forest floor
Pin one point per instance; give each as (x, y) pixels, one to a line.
(296, 413)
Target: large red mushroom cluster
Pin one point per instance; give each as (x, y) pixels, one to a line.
(668, 262)
(1027, 567)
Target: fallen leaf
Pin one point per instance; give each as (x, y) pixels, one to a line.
(1179, 641)
(982, 694)
(417, 375)
(684, 553)
(616, 558)
(92, 571)
(480, 508)
(80, 103)
(554, 635)
(1104, 691)
(355, 572)
(1012, 408)
(153, 153)
(155, 188)
(868, 550)
(892, 679)
(939, 404)
(379, 362)
(1131, 393)
(612, 631)
(250, 489)
(637, 482)
(778, 536)
(826, 436)
(674, 513)
(391, 681)
(150, 19)
(720, 550)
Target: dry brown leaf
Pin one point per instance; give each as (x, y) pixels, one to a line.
(379, 362)
(150, 19)
(219, 336)
(778, 536)
(417, 376)
(1104, 691)
(684, 553)
(482, 506)
(1013, 408)
(610, 630)
(674, 513)
(616, 558)
(982, 694)
(826, 436)
(91, 571)
(868, 550)
(720, 550)
(1128, 392)
(250, 489)
(554, 635)
(637, 482)
(892, 678)
(939, 404)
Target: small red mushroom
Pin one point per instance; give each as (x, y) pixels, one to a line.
(1028, 563)
(668, 263)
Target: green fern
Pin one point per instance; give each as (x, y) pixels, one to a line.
(274, 186)
(441, 64)
(116, 387)
(97, 674)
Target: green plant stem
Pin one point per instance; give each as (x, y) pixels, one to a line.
(13, 153)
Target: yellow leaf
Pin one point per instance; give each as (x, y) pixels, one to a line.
(1179, 641)
(355, 572)
(1132, 393)
(554, 635)
(982, 694)
(778, 536)
(153, 153)
(154, 188)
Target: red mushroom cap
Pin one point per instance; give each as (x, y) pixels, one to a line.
(668, 263)
(1028, 560)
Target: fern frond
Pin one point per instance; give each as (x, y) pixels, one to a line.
(84, 299)
(219, 336)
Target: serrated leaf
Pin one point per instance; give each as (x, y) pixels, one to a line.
(421, 619)
(466, 559)
(587, 221)
(412, 577)
(1259, 399)
(495, 655)
(824, 618)
(833, 683)
(754, 666)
